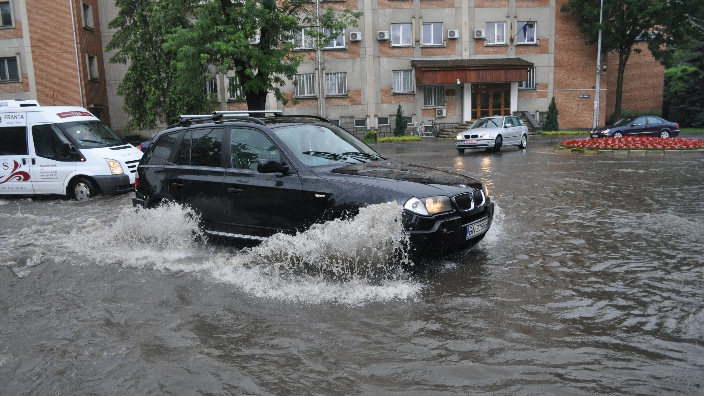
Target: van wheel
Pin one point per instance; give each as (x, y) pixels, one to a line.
(82, 189)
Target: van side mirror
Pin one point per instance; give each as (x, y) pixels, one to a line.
(271, 166)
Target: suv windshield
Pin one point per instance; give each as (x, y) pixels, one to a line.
(625, 121)
(91, 134)
(316, 145)
(494, 122)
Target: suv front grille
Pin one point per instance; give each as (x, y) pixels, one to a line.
(468, 201)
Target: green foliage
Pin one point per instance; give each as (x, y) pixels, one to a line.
(369, 135)
(401, 124)
(397, 139)
(567, 132)
(171, 59)
(551, 123)
(692, 110)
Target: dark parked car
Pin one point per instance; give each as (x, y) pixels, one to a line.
(250, 178)
(639, 126)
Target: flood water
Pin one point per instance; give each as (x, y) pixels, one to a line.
(590, 281)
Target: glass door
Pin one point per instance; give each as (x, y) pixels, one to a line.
(491, 100)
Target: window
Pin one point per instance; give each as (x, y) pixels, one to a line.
(526, 33)
(49, 141)
(360, 123)
(161, 152)
(409, 120)
(496, 32)
(336, 122)
(201, 147)
(304, 84)
(93, 67)
(401, 34)
(434, 95)
(211, 87)
(432, 34)
(9, 70)
(5, 14)
(336, 83)
(336, 41)
(14, 141)
(303, 40)
(383, 121)
(530, 82)
(249, 146)
(87, 16)
(403, 81)
(234, 91)
(654, 121)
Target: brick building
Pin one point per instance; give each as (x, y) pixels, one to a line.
(50, 51)
(445, 60)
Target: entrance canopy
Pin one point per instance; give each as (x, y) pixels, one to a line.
(449, 71)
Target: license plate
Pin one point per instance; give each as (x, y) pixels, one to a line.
(469, 141)
(476, 228)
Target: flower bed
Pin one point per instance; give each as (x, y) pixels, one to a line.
(635, 143)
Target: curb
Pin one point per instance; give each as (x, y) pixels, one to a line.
(628, 151)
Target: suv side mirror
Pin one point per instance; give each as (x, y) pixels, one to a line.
(271, 166)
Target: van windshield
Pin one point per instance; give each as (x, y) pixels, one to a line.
(91, 134)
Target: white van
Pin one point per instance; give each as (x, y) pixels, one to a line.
(61, 150)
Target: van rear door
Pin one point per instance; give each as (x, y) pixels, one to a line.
(14, 155)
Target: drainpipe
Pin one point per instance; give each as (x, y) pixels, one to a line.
(75, 47)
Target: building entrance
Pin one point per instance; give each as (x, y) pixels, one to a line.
(491, 100)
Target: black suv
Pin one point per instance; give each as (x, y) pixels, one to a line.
(250, 178)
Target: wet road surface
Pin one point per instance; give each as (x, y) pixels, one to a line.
(591, 281)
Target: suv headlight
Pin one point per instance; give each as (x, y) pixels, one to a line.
(115, 167)
(429, 206)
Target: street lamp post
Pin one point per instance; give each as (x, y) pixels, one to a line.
(595, 123)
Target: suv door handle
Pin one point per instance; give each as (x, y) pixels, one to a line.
(234, 190)
(177, 185)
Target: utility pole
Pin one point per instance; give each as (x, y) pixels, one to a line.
(595, 123)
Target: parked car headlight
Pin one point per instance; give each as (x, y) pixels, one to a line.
(429, 206)
(115, 167)
(459, 136)
(485, 135)
(605, 131)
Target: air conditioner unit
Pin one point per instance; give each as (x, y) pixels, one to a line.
(440, 112)
(453, 34)
(479, 33)
(382, 35)
(355, 36)
(254, 40)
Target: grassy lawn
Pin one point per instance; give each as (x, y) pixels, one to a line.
(691, 130)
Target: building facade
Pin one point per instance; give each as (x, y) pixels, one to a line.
(443, 61)
(50, 51)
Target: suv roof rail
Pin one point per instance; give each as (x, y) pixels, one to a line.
(303, 116)
(191, 118)
(248, 112)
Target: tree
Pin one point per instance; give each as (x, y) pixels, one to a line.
(693, 93)
(400, 128)
(253, 39)
(150, 86)
(628, 22)
(551, 123)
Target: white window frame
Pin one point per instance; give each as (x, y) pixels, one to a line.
(531, 32)
(401, 34)
(410, 118)
(530, 82)
(303, 40)
(211, 86)
(382, 123)
(337, 42)
(87, 14)
(7, 70)
(304, 86)
(93, 71)
(435, 32)
(434, 96)
(12, 19)
(336, 84)
(402, 81)
(360, 122)
(496, 31)
(237, 94)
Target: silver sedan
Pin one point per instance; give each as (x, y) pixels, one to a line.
(491, 133)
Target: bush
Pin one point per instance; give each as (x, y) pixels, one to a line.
(550, 123)
(369, 136)
(401, 124)
(392, 139)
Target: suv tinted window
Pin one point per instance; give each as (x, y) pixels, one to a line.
(248, 146)
(13, 141)
(161, 150)
(201, 147)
